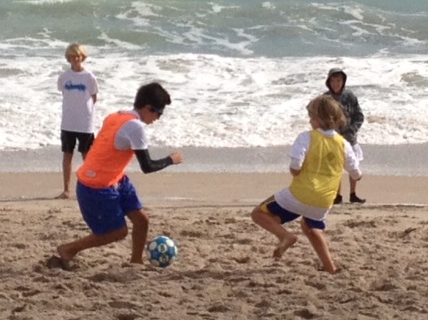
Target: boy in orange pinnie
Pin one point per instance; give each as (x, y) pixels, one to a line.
(318, 158)
(104, 192)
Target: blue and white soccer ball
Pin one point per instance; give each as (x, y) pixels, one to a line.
(161, 251)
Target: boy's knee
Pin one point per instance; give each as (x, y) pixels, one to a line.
(143, 219)
(255, 214)
(139, 218)
(122, 233)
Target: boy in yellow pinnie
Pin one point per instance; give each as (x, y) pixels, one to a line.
(318, 158)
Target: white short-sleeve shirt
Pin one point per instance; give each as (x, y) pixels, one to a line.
(77, 104)
(132, 135)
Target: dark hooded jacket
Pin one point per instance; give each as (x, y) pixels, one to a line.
(351, 108)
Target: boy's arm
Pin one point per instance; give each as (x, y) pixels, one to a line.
(294, 172)
(59, 83)
(295, 166)
(356, 117)
(298, 152)
(93, 87)
(352, 163)
(148, 165)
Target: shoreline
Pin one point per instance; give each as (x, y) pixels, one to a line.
(381, 160)
(203, 189)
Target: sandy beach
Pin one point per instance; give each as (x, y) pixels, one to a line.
(225, 269)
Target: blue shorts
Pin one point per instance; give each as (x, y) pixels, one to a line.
(104, 210)
(271, 206)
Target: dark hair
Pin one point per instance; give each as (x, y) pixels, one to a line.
(327, 111)
(152, 94)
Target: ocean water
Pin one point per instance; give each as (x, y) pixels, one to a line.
(240, 72)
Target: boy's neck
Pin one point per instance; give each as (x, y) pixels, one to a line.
(77, 69)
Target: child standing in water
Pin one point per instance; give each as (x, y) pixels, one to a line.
(318, 158)
(79, 89)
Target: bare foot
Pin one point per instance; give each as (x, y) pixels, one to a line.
(283, 245)
(65, 257)
(64, 195)
(334, 270)
(136, 261)
(55, 262)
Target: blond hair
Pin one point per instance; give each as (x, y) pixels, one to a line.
(76, 49)
(327, 111)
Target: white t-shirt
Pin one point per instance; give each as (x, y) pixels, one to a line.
(77, 105)
(132, 135)
(298, 153)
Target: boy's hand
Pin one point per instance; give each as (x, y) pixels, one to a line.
(294, 172)
(176, 157)
(358, 178)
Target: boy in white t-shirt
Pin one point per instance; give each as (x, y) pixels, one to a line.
(79, 89)
(318, 158)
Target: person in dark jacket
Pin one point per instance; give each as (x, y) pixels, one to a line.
(336, 82)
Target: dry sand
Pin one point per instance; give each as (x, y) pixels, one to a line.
(225, 269)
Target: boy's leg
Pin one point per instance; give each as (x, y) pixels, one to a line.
(140, 221)
(352, 195)
(133, 208)
(68, 143)
(102, 212)
(68, 250)
(352, 185)
(272, 223)
(319, 243)
(66, 174)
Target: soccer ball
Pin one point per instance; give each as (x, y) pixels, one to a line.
(161, 251)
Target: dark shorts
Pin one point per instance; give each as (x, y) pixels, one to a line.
(271, 206)
(69, 138)
(104, 210)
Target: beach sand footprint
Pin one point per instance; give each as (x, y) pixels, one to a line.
(55, 262)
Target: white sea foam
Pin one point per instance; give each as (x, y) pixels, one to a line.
(38, 2)
(240, 74)
(217, 101)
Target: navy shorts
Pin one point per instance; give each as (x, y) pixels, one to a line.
(104, 210)
(69, 139)
(271, 206)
